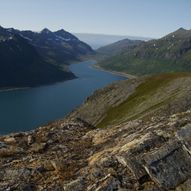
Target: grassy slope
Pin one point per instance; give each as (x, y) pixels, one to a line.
(136, 98)
(151, 95)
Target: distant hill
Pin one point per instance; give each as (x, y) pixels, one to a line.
(29, 59)
(117, 48)
(168, 54)
(99, 40)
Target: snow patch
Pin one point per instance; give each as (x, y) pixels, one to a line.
(25, 37)
(62, 38)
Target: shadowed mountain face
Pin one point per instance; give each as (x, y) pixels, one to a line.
(29, 59)
(21, 65)
(168, 54)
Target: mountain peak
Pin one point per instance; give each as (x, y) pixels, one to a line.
(64, 34)
(181, 29)
(180, 33)
(61, 30)
(46, 31)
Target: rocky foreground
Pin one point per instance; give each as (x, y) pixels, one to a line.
(150, 152)
(73, 156)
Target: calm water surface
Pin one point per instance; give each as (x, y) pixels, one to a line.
(22, 110)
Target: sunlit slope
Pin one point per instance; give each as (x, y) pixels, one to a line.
(168, 54)
(136, 99)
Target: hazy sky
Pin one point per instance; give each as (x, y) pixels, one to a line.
(150, 18)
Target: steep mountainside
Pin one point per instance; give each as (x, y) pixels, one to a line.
(58, 47)
(145, 144)
(168, 54)
(28, 58)
(21, 65)
(137, 98)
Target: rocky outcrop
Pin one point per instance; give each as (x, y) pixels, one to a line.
(66, 155)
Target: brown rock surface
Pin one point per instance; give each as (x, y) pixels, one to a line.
(72, 156)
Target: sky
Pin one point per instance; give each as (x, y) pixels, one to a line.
(149, 18)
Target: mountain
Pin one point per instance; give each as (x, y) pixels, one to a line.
(21, 65)
(58, 47)
(168, 54)
(116, 48)
(131, 135)
(99, 40)
(29, 59)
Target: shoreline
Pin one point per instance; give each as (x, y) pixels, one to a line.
(12, 89)
(95, 66)
(129, 76)
(24, 88)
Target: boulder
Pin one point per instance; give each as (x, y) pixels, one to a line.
(168, 166)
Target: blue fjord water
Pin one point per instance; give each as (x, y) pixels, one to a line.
(22, 110)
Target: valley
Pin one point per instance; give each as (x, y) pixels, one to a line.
(95, 95)
(106, 128)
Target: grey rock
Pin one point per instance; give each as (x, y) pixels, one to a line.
(38, 147)
(2, 145)
(169, 166)
(30, 140)
(75, 185)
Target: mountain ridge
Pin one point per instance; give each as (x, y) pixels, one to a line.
(59, 47)
(168, 54)
(30, 59)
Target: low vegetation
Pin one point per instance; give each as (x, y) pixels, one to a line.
(154, 93)
(169, 54)
(162, 94)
